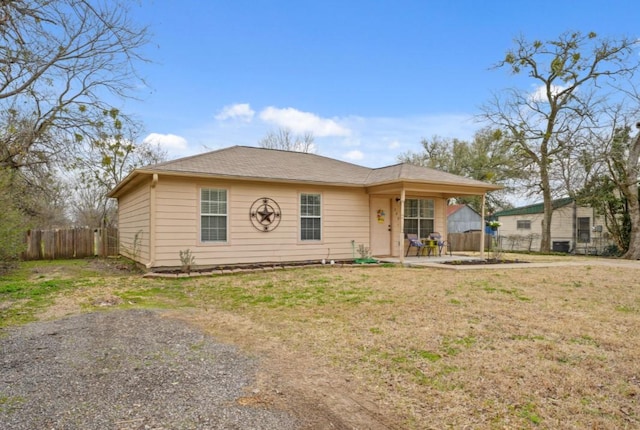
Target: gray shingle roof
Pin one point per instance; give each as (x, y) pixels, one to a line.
(250, 162)
(413, 173)
(244, 162)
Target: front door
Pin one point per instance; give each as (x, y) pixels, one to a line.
(380, 226)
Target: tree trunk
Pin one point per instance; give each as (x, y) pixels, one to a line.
(633, 253)
(630, 191)
(545, 239)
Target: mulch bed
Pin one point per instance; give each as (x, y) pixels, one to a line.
(481, 262)
(173, 272)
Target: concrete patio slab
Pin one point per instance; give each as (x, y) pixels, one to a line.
(438, 262)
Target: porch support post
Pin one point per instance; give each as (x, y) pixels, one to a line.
(401, 232)
(482, 228)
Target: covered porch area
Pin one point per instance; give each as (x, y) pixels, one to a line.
(419, 208)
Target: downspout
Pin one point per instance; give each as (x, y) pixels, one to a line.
(401, 233)
(152, 222)
(482, 227)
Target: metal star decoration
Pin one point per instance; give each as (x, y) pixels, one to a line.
(265, 214)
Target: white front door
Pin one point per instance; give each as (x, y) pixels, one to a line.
(380, 226)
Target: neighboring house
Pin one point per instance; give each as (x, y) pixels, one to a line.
(243, 205)
(462, 218)
(574, 228)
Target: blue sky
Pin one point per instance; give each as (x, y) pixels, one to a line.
(369, 79)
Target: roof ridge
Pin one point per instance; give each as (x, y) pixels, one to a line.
(290, 151)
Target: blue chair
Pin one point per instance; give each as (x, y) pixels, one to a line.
(414, 242)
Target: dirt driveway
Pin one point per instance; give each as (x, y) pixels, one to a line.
(138, 369)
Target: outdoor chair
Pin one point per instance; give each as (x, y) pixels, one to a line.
(439, 242)
(414, 242)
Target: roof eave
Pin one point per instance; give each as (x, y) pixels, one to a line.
(116, 191)
(471, 189)
(479, 186)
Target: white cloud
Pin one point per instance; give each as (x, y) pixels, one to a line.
(354, 155)
(302, 122)
(240, 111)
(540, 94)
(371, 141)
(170, 142)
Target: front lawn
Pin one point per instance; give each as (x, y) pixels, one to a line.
(522, 348)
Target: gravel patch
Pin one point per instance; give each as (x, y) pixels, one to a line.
(126, 370)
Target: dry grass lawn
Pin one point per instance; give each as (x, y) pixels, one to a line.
(431, 348)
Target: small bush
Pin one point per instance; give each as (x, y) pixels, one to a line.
(187, 260)
(611, 251)
(364, 251)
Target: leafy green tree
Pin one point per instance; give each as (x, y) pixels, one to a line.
(486, 158)
(12, 222)
(623, 165)
(575, 75)
(631, 191)
(602, 194)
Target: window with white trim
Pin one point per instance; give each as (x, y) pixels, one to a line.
(419, 217)
(523, 224)
(310, 216)
(213, 215)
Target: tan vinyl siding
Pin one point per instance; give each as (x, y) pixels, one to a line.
(513, 238)
(345, 217)
(176, 219)
(562, 224)
(562, 229)
(133, 219)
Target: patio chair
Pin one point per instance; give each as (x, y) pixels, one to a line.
(414, 242)
(440, 242)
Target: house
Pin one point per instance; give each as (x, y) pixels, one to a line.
(244, 205)
(462, 218)
(574, 228)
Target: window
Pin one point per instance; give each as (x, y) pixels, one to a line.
(418, 217)
(310, 217)
(213, 215)
(584, 230)
(523, 224)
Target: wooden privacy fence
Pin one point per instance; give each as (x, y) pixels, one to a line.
(71, 243)
(467, 241)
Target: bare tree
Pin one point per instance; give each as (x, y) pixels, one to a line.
(104, 155)
(286, 140)
(62, 63)
(59, 61)
(574, 74)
